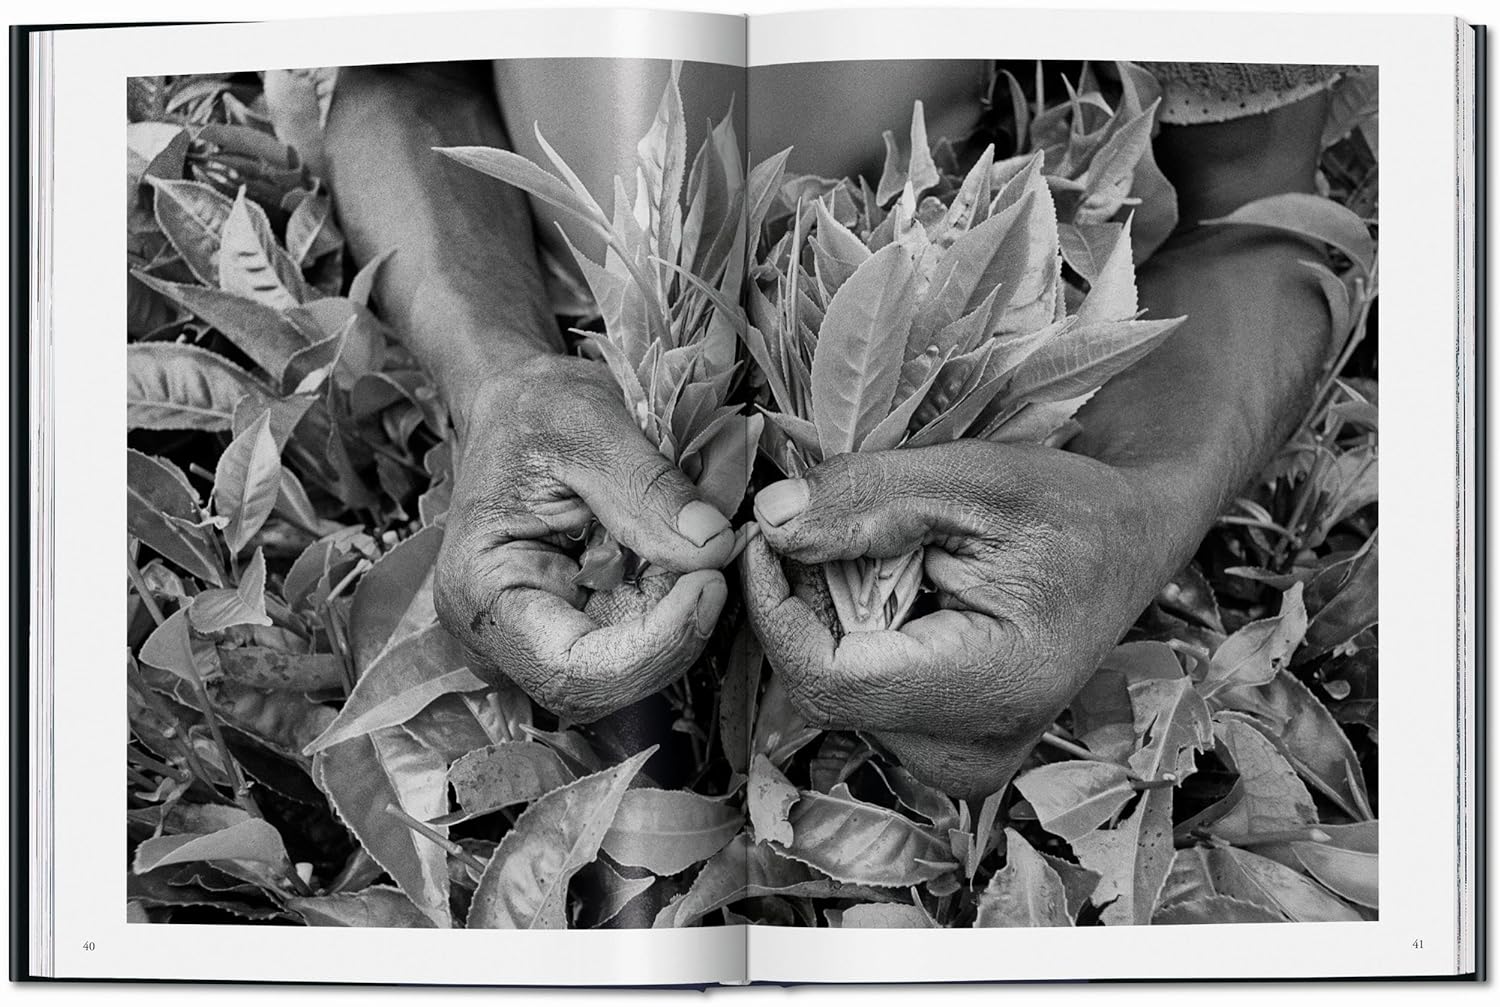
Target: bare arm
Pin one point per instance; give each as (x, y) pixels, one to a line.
(1202, 414)
(463, 288)
(547, 443)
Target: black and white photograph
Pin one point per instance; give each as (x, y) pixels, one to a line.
(586, 493)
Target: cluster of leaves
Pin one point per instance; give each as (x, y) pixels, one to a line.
(307, 745)
(934, 307)
(666, 342)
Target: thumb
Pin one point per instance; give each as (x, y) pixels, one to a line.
(646, 502)
(879, 503)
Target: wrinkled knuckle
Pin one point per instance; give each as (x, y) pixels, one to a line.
(813, 699)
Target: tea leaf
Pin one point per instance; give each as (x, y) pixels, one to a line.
(174, 386)
(1305, 732)
(399, 684)
(1132, 860)
(1026, 892)
(250, 839)
(1272, 798)
(1171, 723)
(191, 214)
(377, 906)
(769, 799)
(667, 831)
(525, 175)
(512, 772)
(1351, 873)
(1217, 909)
(1256, 652)
(1252, 878)
(251, 264)
(247, 482)
(220, 608)
(155, 488)
(1071, 799)
(364, 775)
(858, 359)
(395, 594)
(525, 884)
(1313, 217)
(860, 843)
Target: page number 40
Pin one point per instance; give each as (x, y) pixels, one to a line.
(88, 945)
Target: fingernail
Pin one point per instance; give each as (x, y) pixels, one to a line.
(698, 522)
(710, 604)
(779, 502)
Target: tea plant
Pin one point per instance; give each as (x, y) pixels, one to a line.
(308, 745)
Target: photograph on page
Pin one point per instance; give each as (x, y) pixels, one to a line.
(621, 494)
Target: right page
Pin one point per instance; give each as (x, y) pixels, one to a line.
(1069, 500)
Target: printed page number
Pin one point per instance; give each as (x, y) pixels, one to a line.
(88, 945)
(1417, 944)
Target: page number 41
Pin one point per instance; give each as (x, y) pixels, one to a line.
(1417, 944)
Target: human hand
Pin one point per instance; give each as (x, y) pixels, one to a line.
(1040, 559)
(547, 448)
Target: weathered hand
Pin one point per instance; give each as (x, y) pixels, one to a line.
(1040, 558)
(547, 448)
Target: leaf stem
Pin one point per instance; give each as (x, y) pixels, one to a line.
(138, 581)
(427, 831)
(1074, 749)
(242, 793)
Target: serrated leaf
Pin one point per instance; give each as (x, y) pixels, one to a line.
(1248, 876)
(1215, 909)
(170, 648)
(154, 489)
(1112, 294)
(191, 214)
(252, 839)
(1071, 799)
(1305, 732)
(1132, 860)
(395, 594)
(362, 777)
(1308, 216)
(769, 798)
(1026, 892)
(174, 386)
(247, 481)
(262, 332)
(1084, 357)
(251, 264)
(499, 776)
(245, 605)
(530, 177)
(1172, 724)
(859, 843)
(667, 831)
(858, 358)
(377, 906)
(1273, 798)
(615, 892)
(1256, 652)
(744, 870)
(1351, 873)
(400, 684)
(525, 883)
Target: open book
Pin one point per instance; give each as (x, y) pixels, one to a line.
(798, 498)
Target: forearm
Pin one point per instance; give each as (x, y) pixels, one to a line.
(463, 288)
(1202, 414)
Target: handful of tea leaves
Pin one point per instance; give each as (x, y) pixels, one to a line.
(925, 311)
(664, 340)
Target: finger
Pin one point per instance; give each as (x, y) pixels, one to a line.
(515, 607)
(879, 504)
(950, 669)
(644, 500)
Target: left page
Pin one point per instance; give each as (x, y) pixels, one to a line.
(432, 457)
